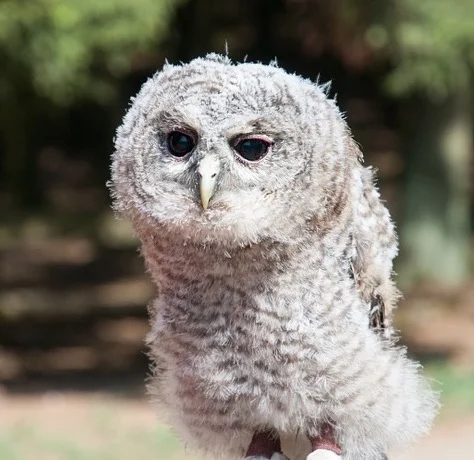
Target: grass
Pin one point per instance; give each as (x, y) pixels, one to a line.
(31, 442)
(97, 430)
(456, 387)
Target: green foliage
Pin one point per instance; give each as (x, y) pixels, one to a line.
(428, 43)
(454, 384)
(89, 439)
(433, 46)
(66, 50)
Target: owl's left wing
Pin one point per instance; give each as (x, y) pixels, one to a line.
(374, 246)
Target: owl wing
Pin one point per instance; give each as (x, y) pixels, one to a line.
(374, 246)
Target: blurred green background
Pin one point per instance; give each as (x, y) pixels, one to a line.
(72, 286)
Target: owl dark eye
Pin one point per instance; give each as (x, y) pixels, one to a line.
(180, 144)
(252, 149)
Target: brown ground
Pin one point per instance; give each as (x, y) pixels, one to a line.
(451, 439)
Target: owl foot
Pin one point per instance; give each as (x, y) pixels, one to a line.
(265, 445)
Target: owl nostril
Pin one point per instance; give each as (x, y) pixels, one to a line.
(212, 176)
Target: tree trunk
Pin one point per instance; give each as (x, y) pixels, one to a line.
(435, 214)
(18, 168)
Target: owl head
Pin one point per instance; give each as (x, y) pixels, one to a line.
(233, 154)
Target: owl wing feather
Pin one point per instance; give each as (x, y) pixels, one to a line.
(374, 246)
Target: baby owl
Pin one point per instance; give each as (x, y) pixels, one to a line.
(272, 254)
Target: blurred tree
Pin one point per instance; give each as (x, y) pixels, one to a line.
(432, 49)
(56, 52)
(427, 47)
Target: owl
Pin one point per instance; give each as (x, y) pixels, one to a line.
(271, 333)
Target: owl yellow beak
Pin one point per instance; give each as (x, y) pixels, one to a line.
(207, 172)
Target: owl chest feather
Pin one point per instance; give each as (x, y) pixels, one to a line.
(253, 339)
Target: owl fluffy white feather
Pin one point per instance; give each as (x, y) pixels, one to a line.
(272, 253)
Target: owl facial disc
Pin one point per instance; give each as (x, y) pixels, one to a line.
(208, 172)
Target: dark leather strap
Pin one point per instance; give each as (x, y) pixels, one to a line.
(264, 444)
(326, 440)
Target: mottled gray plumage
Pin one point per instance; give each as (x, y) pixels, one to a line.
(266, 297)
